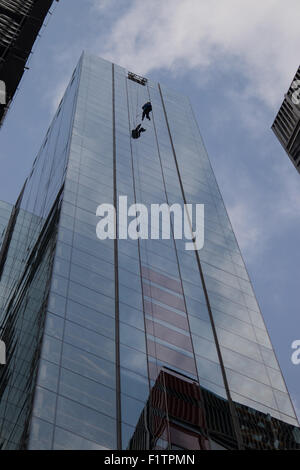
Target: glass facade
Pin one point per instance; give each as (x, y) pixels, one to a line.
(28, 248)
(113, 315)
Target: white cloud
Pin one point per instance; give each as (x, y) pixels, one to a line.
(55, 94)
(247, 224)
(103, 4)
(260, 38)
(263, 209)
(64, 63)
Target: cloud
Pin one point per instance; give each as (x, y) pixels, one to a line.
(247, 224)
(256, 38)
(55, 94)
(261, 210)
(102, 5)
(64, 63)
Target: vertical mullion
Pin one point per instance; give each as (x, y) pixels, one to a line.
(116, 263)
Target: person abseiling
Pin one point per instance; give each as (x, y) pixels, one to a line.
(147, 108)
(136, 133)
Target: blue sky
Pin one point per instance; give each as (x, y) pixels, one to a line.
(235, 60)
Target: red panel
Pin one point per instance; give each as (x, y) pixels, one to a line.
(162, 279)
(164, 297)
(167, 315)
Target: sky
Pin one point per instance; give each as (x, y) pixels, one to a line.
(235, 60)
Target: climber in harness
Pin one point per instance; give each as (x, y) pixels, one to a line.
(147, 108)
(136, 133)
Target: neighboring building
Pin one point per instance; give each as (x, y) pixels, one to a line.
(91, 325)
(287, 122)
(20, 23)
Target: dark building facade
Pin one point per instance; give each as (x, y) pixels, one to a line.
(286, 126)
(96, 329)
(20, 23)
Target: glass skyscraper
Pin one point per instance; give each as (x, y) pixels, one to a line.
(125, 343)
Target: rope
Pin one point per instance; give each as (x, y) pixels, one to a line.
(137, 106)
(137, 164)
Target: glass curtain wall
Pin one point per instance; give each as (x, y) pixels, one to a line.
(30, 239)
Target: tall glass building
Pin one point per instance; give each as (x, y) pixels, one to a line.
(121, 343)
